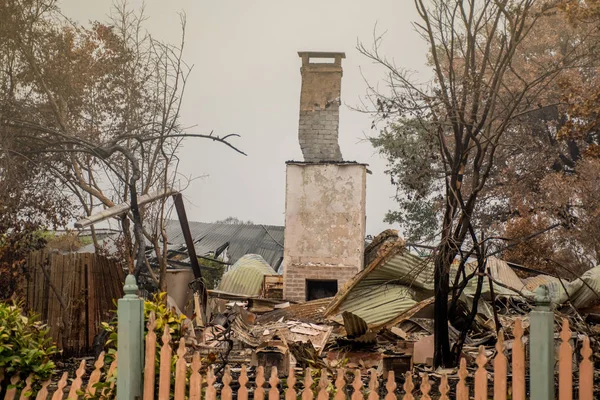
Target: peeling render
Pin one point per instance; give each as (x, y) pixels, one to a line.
(325, 224)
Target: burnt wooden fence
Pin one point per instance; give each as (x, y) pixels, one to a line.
(72, 293)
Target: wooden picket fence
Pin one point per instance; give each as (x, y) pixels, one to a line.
(76, 386)
(198, 386)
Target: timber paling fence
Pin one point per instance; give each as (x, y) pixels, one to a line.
(190, 383)
(72, 294)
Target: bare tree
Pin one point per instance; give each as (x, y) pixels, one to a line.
(104, 102)
(483, 83)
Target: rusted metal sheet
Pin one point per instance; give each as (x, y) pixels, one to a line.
(533, 282)
(354, 325)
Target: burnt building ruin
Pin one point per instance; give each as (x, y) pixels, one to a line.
(325, 195)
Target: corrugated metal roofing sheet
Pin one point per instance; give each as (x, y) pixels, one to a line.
(246, 276)
(379, 304)
(354, 325)
(396, 280)
(533, 282)
(264, 240)
(585, 291)
(582, 292)
(390, 285)
(500, 272)
(556, 290)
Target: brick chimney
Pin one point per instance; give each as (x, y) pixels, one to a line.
(320, 106)
(325, 196)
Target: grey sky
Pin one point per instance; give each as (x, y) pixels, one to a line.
(246, 80)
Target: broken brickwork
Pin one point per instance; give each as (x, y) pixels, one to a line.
(320, 106)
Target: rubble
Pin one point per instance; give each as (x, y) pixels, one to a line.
(383, 317)
(273, 353)
(391, 284)
(295, 332)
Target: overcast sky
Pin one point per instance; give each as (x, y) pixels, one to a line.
(246, 80)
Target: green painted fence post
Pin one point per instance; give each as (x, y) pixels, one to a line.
(130, 342)
(541, 347)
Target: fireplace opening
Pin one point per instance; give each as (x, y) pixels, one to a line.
(320, 289)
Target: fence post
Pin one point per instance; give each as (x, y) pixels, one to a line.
(130, 342)
(541, 347)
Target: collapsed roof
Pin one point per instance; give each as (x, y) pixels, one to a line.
(396, 282)
(582, 292)
(391, 284)
(236, 240)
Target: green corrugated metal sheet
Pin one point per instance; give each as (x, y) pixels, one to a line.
(384, 290)
(501, 272)
(388, 289)
(406, 269)
(378, 304)
(582, 292)
(246, 276)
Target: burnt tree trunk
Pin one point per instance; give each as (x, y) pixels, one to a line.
(442, 354)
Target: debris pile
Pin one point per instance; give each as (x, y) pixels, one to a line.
(383, 317)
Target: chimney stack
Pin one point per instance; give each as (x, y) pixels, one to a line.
(320, 106)
(325, 196)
